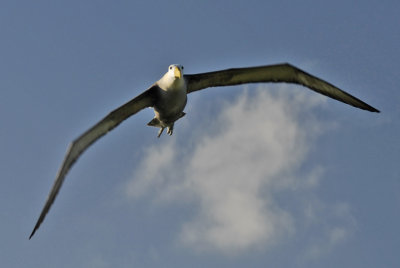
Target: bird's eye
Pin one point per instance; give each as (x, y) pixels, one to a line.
(182, 67)
(170, 67)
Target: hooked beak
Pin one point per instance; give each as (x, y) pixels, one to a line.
(177, 72)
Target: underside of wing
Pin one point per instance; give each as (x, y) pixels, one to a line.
(78, 146)
(272, 73)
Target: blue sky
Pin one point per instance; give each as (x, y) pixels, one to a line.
(254, 176)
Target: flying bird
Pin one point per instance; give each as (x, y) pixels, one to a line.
(168, 97)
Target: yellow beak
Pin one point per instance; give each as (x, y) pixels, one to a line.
(177, 73)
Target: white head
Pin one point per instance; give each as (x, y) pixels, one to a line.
(175, 71)
(173, 78)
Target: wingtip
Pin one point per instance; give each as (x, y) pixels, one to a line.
(34, 229)
(372, 109)
(367, 107)
(33, 232)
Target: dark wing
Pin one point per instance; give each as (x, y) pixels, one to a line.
(78, 146)
(272, 73)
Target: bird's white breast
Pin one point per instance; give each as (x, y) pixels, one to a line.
(171, 99)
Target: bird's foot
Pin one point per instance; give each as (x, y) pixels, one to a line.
(170, 130)
(160, 132)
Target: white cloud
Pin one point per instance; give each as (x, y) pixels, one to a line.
(234, 169)
(334, 225)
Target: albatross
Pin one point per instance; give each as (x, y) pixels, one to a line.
(168, 97)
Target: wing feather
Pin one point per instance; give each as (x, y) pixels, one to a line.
(79, 145)
(272, 73)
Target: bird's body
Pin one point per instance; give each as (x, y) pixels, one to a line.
(171, 91)
(168, 97)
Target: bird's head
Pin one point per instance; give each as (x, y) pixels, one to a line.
(175, 71)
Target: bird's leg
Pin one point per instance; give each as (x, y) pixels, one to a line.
(160, 132)
(170, 129)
